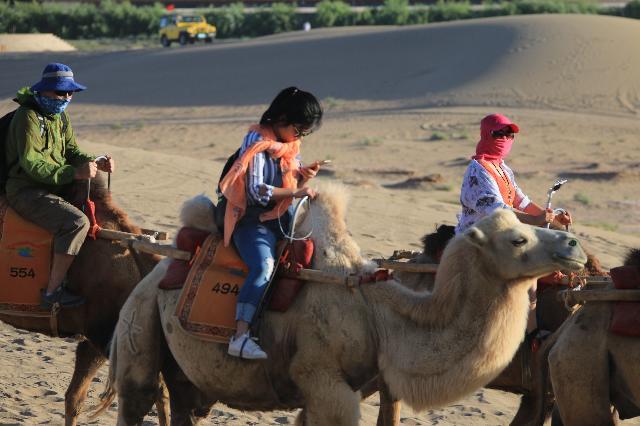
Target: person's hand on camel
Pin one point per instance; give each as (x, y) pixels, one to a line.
(106, 164)
(86, 171)
(304, 192)
(547, 216)
(563, 219)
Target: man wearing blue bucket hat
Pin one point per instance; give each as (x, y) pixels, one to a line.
(42, 158)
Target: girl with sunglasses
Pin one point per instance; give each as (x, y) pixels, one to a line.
(489, 184)
(259, 189)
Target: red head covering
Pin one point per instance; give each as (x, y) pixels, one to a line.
(490, 148)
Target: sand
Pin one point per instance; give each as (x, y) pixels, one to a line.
(33, 43)
(401, 104)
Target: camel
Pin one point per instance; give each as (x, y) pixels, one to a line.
(104, 273)
(592, 368)
(524, 375)
(430, 348)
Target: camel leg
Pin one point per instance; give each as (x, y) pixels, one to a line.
(162, 404)
(389, 412)
(88, 362)
(329, 399)
(188, 405)
(581, 391)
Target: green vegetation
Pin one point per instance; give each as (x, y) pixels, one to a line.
(121, 19)
(582, 198)
(369, 142)
(438, 136)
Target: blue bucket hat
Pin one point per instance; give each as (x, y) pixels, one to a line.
(57, 77)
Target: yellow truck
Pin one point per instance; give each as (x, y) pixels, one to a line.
(185, 29)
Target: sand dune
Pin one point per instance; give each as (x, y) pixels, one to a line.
(403, 107)
(33, 43)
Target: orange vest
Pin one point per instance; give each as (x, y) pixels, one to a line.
(507, 189)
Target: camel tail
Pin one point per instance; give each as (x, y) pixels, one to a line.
(109, 393)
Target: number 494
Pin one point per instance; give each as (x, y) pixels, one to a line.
(225, 288)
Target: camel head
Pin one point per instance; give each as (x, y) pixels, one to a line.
(512, 250)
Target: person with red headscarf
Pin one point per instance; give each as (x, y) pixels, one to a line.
(489, 184)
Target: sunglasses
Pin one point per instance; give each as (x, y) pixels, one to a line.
(503, 134)
(63, 92)
(301, 132)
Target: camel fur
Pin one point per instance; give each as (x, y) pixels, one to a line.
(592, 369)
(431, 348)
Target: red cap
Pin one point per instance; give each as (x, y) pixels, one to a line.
(496, 122)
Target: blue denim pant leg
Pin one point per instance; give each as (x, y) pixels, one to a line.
(256, 245)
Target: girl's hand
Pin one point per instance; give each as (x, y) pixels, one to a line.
(304, 192)
(311, 171)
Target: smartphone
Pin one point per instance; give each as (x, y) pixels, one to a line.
(323, 162)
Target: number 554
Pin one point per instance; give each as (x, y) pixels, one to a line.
(21, 272)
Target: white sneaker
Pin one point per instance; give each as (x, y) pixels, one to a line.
(244, 347)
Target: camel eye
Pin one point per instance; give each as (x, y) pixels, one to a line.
(519, 242)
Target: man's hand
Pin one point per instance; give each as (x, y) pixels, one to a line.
(106, 165)
(87, 171)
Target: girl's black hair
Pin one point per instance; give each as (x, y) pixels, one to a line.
(294, 106)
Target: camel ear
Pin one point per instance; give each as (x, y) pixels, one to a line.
(476, 236)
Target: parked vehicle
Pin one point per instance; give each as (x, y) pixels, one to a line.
(185, 29)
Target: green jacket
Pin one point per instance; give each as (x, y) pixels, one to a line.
(39, 154)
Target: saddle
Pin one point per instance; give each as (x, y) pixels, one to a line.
(625, 320)
(211, 281)
(25, 262)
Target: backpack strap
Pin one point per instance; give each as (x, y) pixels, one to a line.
(65, 122)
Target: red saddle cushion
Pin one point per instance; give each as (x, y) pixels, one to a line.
(295, 256)
(625, 320)
(188, 239)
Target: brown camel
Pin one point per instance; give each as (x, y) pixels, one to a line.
(592, 369)
(104, 273)
(431, 349)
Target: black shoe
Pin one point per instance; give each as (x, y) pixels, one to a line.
(64, 297)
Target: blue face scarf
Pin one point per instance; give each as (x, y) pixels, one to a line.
(51, 105)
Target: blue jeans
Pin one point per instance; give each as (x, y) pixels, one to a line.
(256, 245)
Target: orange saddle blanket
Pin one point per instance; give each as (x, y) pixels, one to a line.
(25, 261)
(213, 281)
(625, 320)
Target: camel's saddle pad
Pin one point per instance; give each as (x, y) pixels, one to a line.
(207, 303)
(25, 262)
(625, 320)
(213, 281)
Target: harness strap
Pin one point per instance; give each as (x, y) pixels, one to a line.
(53, 319)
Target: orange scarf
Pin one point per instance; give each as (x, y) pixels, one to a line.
(507, 189)
(233, 184)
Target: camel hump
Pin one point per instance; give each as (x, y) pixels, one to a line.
(25, 257)
(199, 213)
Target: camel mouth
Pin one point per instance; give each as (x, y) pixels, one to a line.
(572, 263)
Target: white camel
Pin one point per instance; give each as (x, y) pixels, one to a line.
(430, 348)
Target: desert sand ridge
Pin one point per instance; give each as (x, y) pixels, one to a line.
(573, 62)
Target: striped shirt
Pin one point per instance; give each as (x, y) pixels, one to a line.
(480, 195)
(263, 172)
